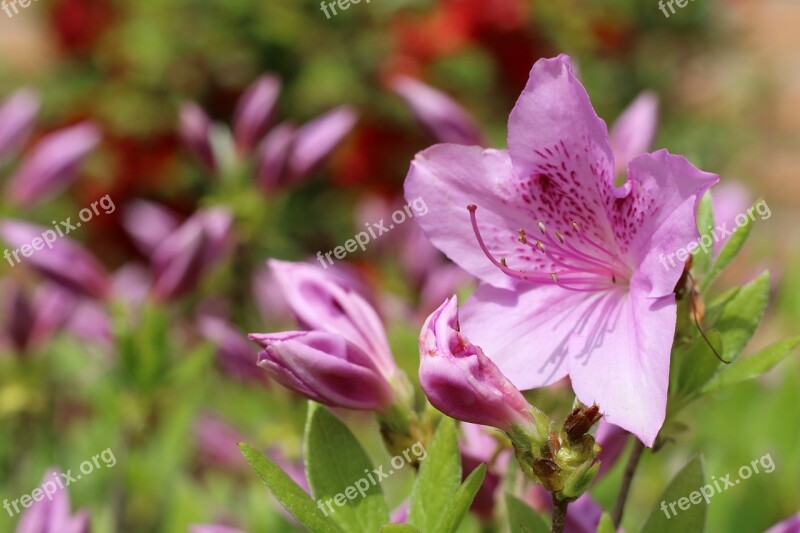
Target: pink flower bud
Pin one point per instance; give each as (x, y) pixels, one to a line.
(254, 112)
(326, 300)
(316, 140)
(17, 116)
(460, 381)
(61, 259)
(437, 112)
(195, 131)
(183, 258)
(53, 513)
(53, 164)
(326, 368)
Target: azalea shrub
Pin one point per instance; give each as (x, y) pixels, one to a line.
(478, 268)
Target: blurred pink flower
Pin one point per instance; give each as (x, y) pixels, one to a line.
(315, 140)
(194, 127)
(790, 525)
(31, 318)
(634, 131)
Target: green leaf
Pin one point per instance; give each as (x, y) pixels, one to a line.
(731, 249)
(705, 219)
(740, 317)
(693, 367)
(438, 479)
(692, 516)
(523, 519)
(753, 366)
(462, 500)
(286, 491)
(336, 463)
(398, 528)
(606, 525)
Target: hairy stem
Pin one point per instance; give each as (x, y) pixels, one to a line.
(630, 470)
(559, 514)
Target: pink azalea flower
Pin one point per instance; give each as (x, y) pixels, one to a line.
(579, 291)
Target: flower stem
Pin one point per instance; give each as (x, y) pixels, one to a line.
(559, 514)
(630, 469)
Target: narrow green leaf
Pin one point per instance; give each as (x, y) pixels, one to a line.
(705, 220)
(693, 367)
(286, 491)
(753, 366)
(399, 528)
(438, 478)
(341, 475)
(462, 500)
(729, 251)
(740, 317)
(523, 519)
(676, 510)
(606, 525)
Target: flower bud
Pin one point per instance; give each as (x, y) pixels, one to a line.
(272, 157)
(183, 258)
(53, 164)
(460, 381)
(63, 261)
(53, 513)
(17, 116)
(437, 112)
(195, 131)
(316, 140)
(325, 300)
(254, 111)
(325, 367)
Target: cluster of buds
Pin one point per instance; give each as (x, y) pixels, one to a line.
(462, 382)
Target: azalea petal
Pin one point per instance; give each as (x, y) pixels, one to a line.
(657, 217)
(317, 139)
(615, 345)
(561, 151)
(628, 372)
(633, 132)
(528, 333)
(448, 178)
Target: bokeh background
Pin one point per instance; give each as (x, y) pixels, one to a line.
(728, 77)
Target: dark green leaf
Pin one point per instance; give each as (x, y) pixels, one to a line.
(286, 491)
(336, 463)
(753, 366)
(690, 518)
(438, 478)
(523, 519)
